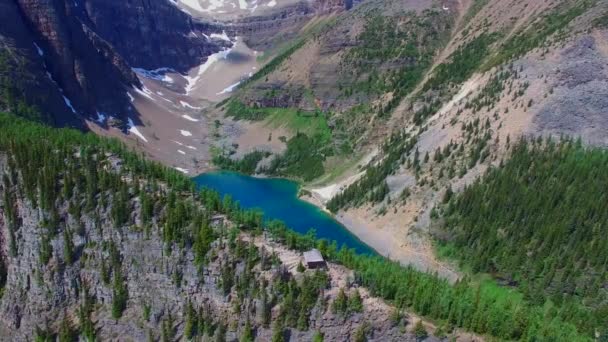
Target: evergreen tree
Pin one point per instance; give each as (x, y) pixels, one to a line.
(119, 294)
(420, 330)
(247, 333)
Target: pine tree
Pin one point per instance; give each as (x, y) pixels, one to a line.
(68, 246)
(119, 294)
(317, 337)
(66, 333)
(247, 334)
(355, 303)
(278, 333)
(340, 304)
(420, 330)
(191, 321)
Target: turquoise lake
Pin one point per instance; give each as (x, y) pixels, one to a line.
(277, 198)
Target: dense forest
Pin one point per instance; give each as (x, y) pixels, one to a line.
(68, 167)
(539, 222)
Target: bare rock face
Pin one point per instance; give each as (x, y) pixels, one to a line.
(26, 68)
(86, 69)
(150, 34)
(264, 31)
(581, 94)
(78, 55)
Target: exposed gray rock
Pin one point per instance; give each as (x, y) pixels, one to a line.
(579, 105)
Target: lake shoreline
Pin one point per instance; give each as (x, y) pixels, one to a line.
(361, 231)
(279, 198)
(359, 223)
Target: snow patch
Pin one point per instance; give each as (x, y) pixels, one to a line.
(144, 92)
(181, 152)
(185, 133)
(222, 36)
(192, 81)
(101, 117)
(168, 79)
(255, 5)
(187, 105)
(156, 74)
(136, 131)
(194, 4)
(189, 118)
(131, 98)
(272, 3)
(213, 5)
(39, 50)
(229, 89)
(68, 103)
(243, 4)
(182, 170)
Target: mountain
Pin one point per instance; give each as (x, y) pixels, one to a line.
(74, 59)
(404, 100)
(384, 112)
(464, 140)
(100, 243)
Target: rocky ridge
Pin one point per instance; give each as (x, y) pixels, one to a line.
(112, 273)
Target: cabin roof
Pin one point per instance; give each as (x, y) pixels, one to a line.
(313, 256)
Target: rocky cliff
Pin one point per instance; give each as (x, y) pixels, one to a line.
(151, 34)
(77, 56)
(88, 72)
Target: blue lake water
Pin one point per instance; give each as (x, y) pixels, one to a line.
(277, 198)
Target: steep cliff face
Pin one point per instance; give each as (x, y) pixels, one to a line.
(23, 70)
(150, 34)
(85, 66)
(78, 55)
(267, 30)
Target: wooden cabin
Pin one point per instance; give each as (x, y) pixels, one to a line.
(314, 259)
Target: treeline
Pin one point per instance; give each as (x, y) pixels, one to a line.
(276, 61)
(463, 62)
(247, 164)
(303, 159)
(372, 187)
(540, 222)
(241, 111)
(73, 178)
(535, 35)
(466, 304)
